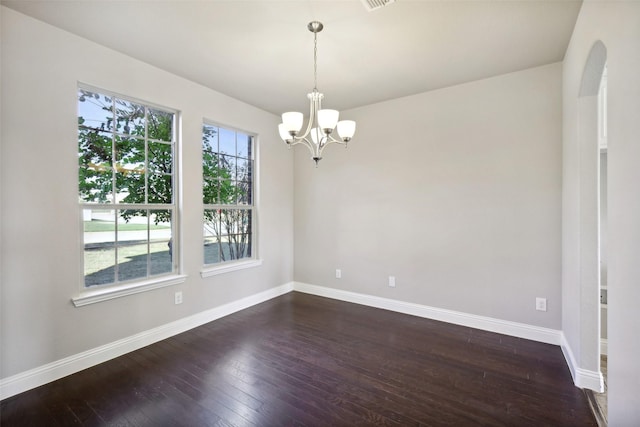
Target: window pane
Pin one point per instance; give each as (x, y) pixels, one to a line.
(228, 166)
(212, 250)
(94, 147)
(212, 222)
(130, 187)
(244, 146)
(99, 246)
(160, 189)
(243, 170)
(235, 230)
(247, 221)
(227, 141)
(210, 165)
(226, 221)
(132, 244)
(227, 191)
(96, 184)
(130, 178)
(226, 172)
(226, 227)
(130, 118)
(160, 125)
(160, 158)
(212, 241)
(95, 176)
(210, 190)
(95, 111)
(210, 138)
(161, 242)
(132, 260)
(244, 192)
(235, 194)
(244, 188)
(250, 170)
(160, 173)
(242, 245)
(130, 153)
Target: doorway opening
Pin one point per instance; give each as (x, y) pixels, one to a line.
(601, 398)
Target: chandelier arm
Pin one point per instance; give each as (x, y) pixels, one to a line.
(315, 104)
(313, 148)
(330, 140)
(312, 116)
(298, 141)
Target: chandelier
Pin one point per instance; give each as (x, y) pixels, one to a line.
(322, 122)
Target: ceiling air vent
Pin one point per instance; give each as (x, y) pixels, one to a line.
(371, 5)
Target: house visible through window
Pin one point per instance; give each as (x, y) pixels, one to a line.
(227, 169)
(127, 183)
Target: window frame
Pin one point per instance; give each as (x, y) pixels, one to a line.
(116, 289)
(254, 260)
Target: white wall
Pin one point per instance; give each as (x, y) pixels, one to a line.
(455, 192)
(617, 25)
(41, 240)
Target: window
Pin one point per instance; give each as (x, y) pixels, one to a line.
(127, 188)
(227, 191)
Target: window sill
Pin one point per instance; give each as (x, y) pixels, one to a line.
(227, 268)
(111, 292)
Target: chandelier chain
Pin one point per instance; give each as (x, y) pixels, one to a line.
(315, 61)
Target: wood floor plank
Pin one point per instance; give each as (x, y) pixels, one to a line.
(302, 360)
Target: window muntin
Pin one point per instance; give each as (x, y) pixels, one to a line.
(126, 152)
(228, 183)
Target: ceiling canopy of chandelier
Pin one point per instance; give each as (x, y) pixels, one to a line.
(322, 122)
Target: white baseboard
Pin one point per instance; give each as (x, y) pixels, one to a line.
(521, 330)
(582, 378)
(36, 377)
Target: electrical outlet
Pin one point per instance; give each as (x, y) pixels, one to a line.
(338, 274)
(392, 281)
(541, 304)
(178, 298)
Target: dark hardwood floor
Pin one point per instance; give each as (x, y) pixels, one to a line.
(304, 360)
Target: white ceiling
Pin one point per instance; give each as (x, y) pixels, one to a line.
(262, 53)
